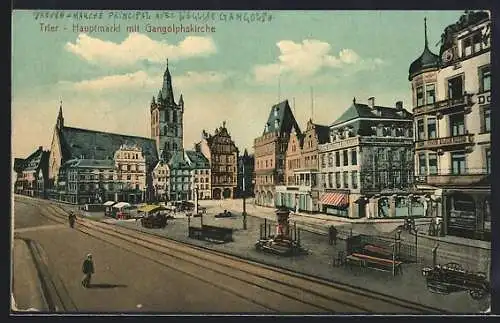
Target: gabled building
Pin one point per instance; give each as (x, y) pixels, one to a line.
(167, 120)
(270, 152)
(32, 174)
(367, 165)
(161, 181)
(222, 154)
(200, 174)
(180, 181)
(70, 143)
(452, 118)
(300, 192)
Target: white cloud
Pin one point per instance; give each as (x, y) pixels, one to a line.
(138, 47)
(307, 58)
(142, 80)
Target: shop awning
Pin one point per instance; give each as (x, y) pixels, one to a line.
(335, 199)
(120, 205)
(150, 208)
(109, 203)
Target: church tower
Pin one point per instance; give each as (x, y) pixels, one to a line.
(167, 120)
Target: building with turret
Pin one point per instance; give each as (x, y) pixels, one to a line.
(167, 120)
(451, 106)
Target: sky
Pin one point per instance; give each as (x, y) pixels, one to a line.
(318, 60)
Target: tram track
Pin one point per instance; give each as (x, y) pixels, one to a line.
(242, 277)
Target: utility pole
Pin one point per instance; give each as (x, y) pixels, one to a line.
(244, 197)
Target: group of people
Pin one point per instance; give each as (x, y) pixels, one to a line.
(88, 263)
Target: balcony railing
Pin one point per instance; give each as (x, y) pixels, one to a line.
(442, 142)
(465, 100)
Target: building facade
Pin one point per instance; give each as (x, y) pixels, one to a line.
(167, 120)
(270, 153)
(301, 191)
(222, 154)
(451, 105)
(131, 174)
(200, 174)
(161, 181)
(70, 144)
(246, 175)
(367, 165)
(180, 181)
(86, 181)
(32, 174)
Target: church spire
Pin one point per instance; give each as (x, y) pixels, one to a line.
(425, 32)
(167, 92)
(60, 118)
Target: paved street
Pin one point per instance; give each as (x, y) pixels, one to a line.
(410, 285)
(124, 281)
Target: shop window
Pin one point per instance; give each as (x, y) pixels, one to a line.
(487, 215)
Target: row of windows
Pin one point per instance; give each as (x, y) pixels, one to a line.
(340, 180)
(456, 125)
(264, 179)
(224, 158)
(426, 94)
(131, 167)
(224, 169)
(203, 186)
(201, 171)
(428, 163)
(345, 158)
(268, 163)
(222, 179)
(202, 180)
(171, 116)
(124, 155)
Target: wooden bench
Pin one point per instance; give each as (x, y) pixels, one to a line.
(211, 233)
(379, 263)
(373, 250)
(351, 259)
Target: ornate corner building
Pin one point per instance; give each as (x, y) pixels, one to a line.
(451, 106)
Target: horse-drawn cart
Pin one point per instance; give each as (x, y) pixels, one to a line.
(453, 278)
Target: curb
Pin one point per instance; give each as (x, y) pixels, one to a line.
(437, 239)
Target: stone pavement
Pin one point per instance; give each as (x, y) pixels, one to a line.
(27, 293)
(410, 285)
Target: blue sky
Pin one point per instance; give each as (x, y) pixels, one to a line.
(106, 80)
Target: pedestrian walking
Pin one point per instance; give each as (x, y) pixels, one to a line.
(434, 255)
(332, 235)
(71, 219)
(88, 270)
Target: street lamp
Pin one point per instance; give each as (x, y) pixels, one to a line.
(244, 199)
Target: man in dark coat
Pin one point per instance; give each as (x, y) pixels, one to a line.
(71, 218)
(88, 270)
(332, 235)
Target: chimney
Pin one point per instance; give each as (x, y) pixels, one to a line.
(371, 102)
(40, 148)
(399, 105)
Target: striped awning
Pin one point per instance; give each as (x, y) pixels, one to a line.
(335, 199)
